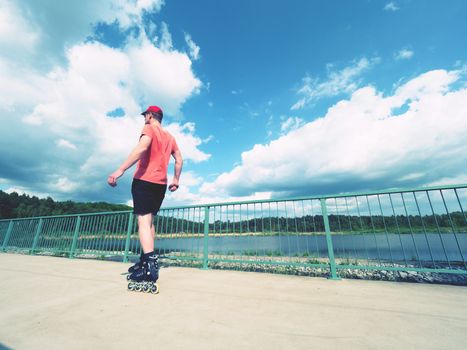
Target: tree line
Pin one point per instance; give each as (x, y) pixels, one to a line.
(13, 205)
(315, 223)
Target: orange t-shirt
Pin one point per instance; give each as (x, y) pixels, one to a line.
(153, 164)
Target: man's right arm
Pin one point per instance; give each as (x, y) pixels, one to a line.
(135, 155)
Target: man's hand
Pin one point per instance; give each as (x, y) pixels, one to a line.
(173, 186)
(112, 179)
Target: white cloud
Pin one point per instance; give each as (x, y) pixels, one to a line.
(188, 142)
(459, 179)
(338, 82)
(129, 13)
(151, 32)
(16, 33)
(208, 139)
(14, 91)
(194, 49)
(62, 143)
(64, 185)
(403, 54)
(391, 6)
(161, 75)
(166, 39)
(185, 193)
(363, 143)
(22, 190)
(62, 109)
(34, 27)
(291, 124)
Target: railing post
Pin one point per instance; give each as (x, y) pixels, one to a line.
(206, 238)
(128, 237)
(7, 236)
(327, 228)
(36, 236)
(75, 237)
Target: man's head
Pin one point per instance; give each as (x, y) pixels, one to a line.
(155, 112)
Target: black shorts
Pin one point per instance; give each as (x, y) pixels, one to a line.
(147, 196)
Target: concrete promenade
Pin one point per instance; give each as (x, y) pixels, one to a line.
(55, 303)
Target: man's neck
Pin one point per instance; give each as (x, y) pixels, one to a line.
(155, 122)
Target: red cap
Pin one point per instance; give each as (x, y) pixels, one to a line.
(153, 109)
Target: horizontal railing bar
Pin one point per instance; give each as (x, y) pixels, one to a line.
(68, 215)
(341, 195)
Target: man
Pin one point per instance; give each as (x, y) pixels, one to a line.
(149, 185)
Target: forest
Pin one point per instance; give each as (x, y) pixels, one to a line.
(314, 223)
(13, 205)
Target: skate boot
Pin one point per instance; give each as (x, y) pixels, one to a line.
(145, 278)
(136, 266)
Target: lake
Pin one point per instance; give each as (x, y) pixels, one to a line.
(431, 246)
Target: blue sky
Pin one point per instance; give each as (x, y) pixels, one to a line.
(267, 98)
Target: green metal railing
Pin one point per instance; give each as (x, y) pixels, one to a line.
(419, 230)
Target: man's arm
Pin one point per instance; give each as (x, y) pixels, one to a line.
(135, 155)
(177, 171)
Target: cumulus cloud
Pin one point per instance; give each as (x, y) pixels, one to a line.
(186, 192)
(16, 33)
(403, 54)
(185, 134)
(161, 75)
(35, 27)
(362, 143)
(338, 82)
(66, 142)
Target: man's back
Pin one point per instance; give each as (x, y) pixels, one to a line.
(153, 164)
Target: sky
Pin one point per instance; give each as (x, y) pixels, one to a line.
(267, 99)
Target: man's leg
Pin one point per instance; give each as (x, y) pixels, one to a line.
(153, 230)
(146, 232)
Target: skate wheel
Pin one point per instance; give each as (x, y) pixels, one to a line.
(155, 289)
(131, 286)
(146, 289)
(138, 288)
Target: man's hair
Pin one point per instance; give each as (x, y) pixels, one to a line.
(158, 116)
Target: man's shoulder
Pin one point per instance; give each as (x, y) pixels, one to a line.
(147, 129)
(161, 133)
(171, 140)
(167, 133)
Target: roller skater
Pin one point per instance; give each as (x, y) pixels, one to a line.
(144, 279)
(148, 189)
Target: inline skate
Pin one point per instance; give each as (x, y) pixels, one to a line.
(144, 279)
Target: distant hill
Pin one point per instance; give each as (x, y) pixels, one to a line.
(14, 205)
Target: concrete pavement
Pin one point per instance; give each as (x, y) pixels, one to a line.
(55, 303)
